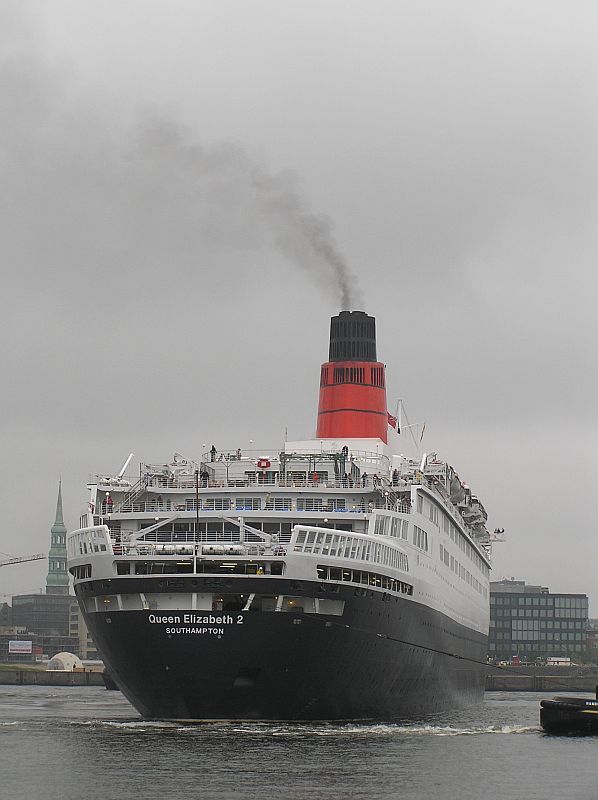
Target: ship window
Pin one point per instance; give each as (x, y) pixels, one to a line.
(123, 568)
(214, 530)
(309, 504)
(255, 569)
(420, 538)
(81, 572)
(366, 578)
(297, 605)
(278, 504)
(297, 478)
(216, 504)
(181, 527)
(335, 504)
(248, 503)
(264, 603)
(228, 602)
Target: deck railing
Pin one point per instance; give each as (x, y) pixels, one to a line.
(239, 507)
(160, 546)
(285, 482)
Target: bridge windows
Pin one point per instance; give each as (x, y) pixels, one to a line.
(81, 572)
(376, 579)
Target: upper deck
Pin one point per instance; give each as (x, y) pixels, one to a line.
(263, 513)
(275, 490)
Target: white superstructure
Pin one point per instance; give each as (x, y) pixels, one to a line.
(315, 512)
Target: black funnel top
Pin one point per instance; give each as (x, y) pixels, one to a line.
(352, 337)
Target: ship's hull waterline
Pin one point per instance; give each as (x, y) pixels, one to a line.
(383, 659)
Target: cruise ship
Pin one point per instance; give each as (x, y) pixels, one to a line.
(328, 579)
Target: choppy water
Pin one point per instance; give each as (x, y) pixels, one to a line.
(89, 743)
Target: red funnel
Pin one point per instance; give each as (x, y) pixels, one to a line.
(352, 383)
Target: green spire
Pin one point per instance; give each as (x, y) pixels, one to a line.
(57, 581)
(59, 521)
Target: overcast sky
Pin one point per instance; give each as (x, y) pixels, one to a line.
(188, 192)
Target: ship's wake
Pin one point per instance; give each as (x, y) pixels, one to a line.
(302, 730)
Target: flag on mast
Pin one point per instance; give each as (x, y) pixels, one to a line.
(394, 420)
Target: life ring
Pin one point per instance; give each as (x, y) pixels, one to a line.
(263, 463)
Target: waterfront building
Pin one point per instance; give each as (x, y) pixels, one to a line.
(77, 627)
(17, 646)
(45, 614)
(20, 646)
(533, 623)
(592, 640)
(5, 615)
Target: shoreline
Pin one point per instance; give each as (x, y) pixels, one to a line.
(568, 680)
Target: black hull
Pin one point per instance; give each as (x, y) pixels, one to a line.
(569, 715)
(109, 682)
(288, 666)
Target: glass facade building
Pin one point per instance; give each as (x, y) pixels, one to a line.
(531, 622)
(45, 614)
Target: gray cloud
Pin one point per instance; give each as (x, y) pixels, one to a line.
(150, 229)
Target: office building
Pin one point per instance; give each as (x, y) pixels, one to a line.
(533, 623)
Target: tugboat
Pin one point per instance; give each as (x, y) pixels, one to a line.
(577, 715)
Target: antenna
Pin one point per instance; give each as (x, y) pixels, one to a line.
(409, 426)
(125, 465)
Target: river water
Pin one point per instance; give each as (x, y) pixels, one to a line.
(69, 742)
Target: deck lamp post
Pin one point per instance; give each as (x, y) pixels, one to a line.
(196, 503)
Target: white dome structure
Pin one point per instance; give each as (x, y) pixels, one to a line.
(64, 662)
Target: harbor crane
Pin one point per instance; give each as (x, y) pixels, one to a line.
(20, 559)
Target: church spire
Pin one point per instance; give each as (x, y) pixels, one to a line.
(57, 581)
(59, 518)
